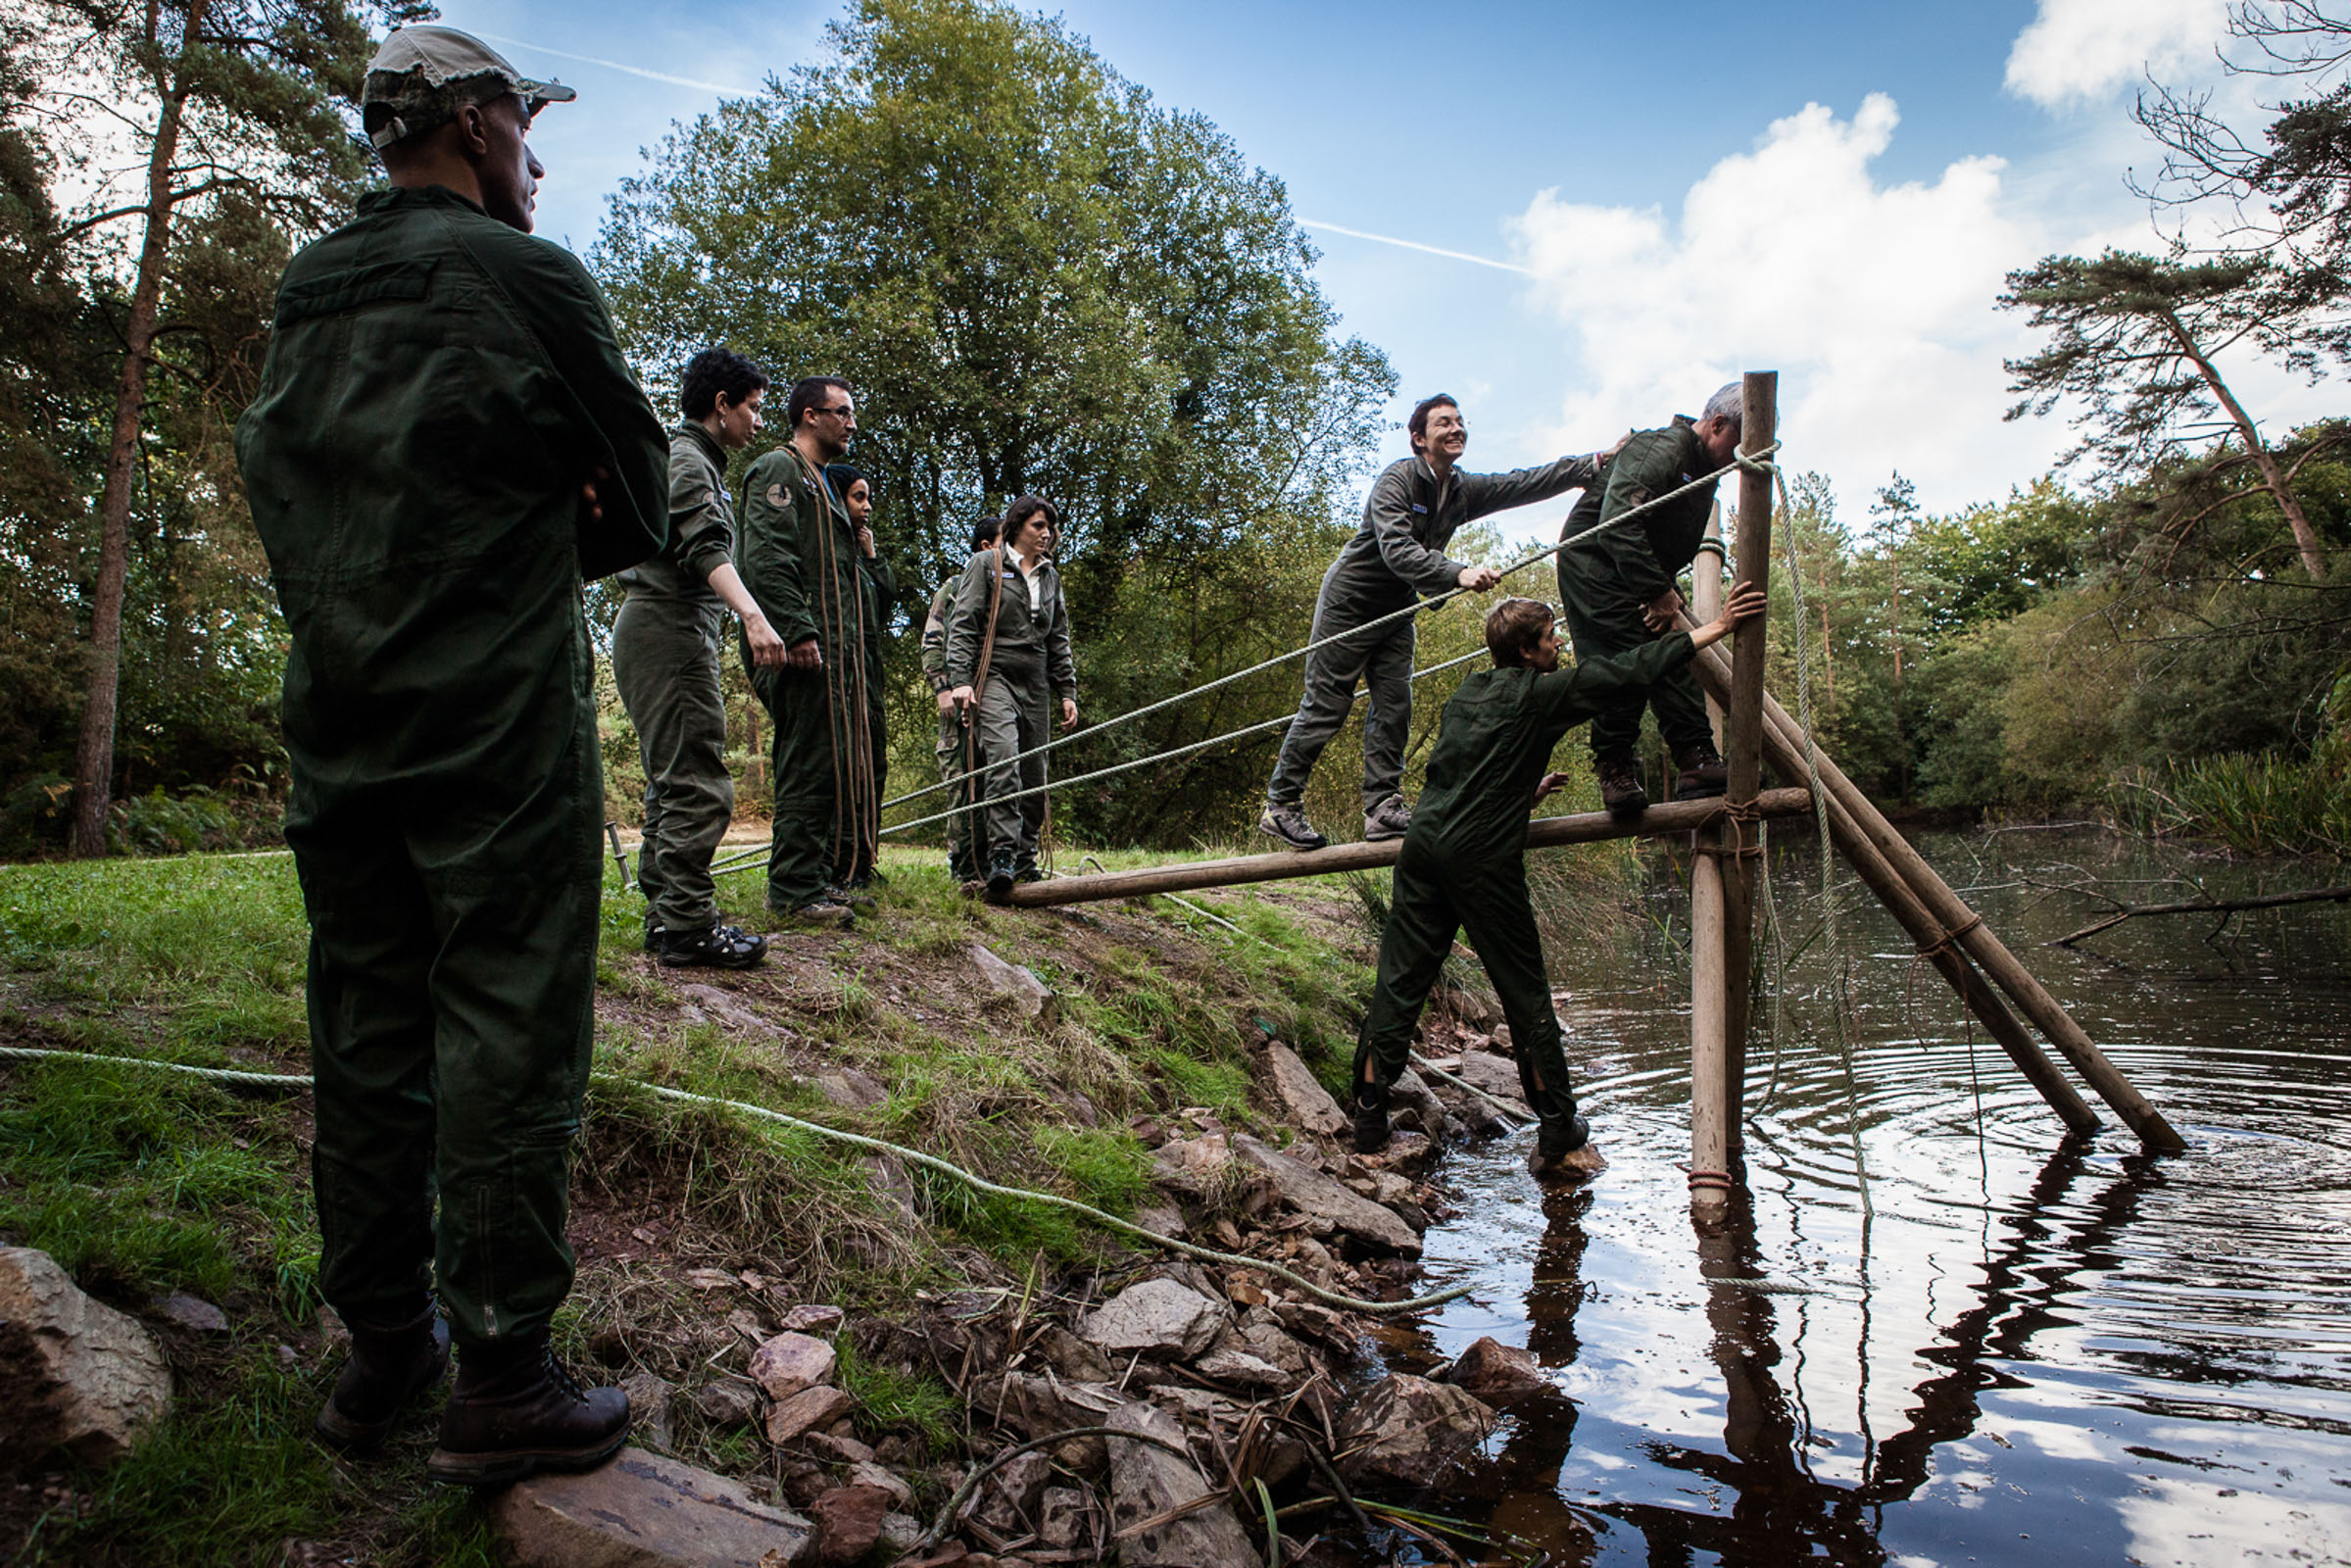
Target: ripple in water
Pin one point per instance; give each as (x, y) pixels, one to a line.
(2017, 1352)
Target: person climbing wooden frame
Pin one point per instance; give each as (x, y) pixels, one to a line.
(1463, 866)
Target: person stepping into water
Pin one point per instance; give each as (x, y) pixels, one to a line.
(1415, 507)
(1463, 867)
(1618, 592)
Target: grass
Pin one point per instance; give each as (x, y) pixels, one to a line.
(144, 1184)
(2255, 804)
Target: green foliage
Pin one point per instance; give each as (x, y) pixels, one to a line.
(1040, 281)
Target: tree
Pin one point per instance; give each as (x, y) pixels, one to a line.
(2137, 339)
(221, 99)
(1037, 279)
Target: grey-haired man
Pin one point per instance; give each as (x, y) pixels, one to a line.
(445, 443)
(1617, 589)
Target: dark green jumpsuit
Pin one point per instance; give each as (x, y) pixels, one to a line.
(666, 643)
(1397, 553)
(799, 557)
(1030, 668)
(1464, 862)
(1605, 582)
(438, 388)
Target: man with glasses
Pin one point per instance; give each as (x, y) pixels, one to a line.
(797, 553)
(1416, 507)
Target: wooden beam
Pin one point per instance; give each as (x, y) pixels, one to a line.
(1861, 846)
(1743, 722)
(1543, 832)
(1713, 1114)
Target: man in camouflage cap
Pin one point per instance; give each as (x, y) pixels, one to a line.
(445, 444)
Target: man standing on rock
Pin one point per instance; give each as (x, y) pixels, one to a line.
(797, 553)
(1618, 591)
(1463, 867)
(445, 443)
(1415, 507)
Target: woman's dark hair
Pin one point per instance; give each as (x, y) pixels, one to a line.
(841, 476)
(1512, 629)
(1017, 515)
(811, 391)
(1418, 424)
(985, 533)
(714, 370)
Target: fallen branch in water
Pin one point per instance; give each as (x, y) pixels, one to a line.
(2266, 901)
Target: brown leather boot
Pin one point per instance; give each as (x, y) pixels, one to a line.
(387, 1368)
(515, 1411)
(1703, 772)
(1619, 778)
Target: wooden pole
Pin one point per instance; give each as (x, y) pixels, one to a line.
(1743, 724)
(1588, 827)
(1713, 1111)
(1783, 742)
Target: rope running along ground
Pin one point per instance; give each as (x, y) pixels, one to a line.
(290, 1081)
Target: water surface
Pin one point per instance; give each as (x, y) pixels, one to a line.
(2003, 1348)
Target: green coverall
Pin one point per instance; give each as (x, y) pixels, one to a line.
(666, 653)
(1463, 866)
(799, 556)
(951, 731)
(1408, 519)
(438, 388)
(1604, 582)
(1030, 668)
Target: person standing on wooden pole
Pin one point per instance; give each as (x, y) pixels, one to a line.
(1415, 507)
(1463, 866)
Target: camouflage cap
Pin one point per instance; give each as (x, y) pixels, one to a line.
(423, 75)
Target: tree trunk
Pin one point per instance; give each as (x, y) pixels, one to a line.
(2272, 477)
(94, 751)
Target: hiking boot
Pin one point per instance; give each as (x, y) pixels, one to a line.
(387, 1368)
(854, 896)
(1703, 772)
(517, 1411)
(1563, 1147)
(959, 869)
(1002, 874)
(1289, 824)
(1618, 777)
(652, 934)
(1371, 1119)
(1028, 874)
(1387, 820)
(817, 911)
(723, 946)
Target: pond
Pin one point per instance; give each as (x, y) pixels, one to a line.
(1980, 1342)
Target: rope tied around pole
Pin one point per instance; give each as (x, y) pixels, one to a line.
(1950, 939)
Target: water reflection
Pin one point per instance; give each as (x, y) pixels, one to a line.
(2021, 1350)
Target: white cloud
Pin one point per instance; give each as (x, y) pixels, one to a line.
(1874, 303)
(2075, 51)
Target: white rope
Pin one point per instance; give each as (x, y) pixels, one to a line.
(1414, 608)
(1336, 1298)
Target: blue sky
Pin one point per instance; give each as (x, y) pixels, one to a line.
(1834, 192)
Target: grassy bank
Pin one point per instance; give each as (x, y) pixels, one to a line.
(143, 1184)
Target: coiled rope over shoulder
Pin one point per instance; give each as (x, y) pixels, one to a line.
(287, 1082)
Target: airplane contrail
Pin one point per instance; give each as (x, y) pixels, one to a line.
(1415, 245)
(614, 65)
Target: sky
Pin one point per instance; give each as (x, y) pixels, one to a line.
(1582, 219)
